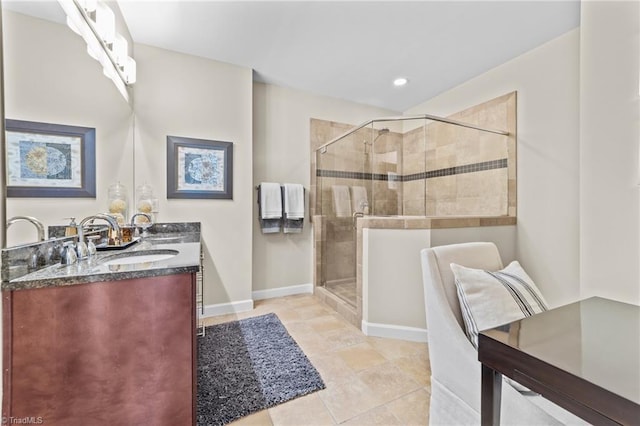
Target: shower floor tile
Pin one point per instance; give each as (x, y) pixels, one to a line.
(344, 290)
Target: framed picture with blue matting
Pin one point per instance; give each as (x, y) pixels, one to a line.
(50, 160)
(199, 168)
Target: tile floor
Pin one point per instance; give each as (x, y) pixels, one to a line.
(369, 380)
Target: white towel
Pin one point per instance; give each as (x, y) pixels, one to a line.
(270, 200)
(359, 201)
(293, 201)
(341, 200)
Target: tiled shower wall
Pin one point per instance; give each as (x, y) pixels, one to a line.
(414, 162)
(386, 198)
(436, 169)
(415, 169)
(353, 161)
(479, 167)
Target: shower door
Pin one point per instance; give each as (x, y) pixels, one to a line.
(344, 185)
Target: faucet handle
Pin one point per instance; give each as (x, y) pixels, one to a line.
(91, 244)
(82, 250)
(68, 255)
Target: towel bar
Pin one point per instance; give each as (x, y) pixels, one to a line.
(258, 187)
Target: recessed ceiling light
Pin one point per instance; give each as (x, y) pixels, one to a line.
(400, 81)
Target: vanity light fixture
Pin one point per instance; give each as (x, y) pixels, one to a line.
(95, 22)
(400, 81)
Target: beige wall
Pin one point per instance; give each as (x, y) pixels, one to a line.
(609, 157)
(548, 150)
(183, 95)
(578, 174)
(392, 278)
(50, 78)
(281, 153)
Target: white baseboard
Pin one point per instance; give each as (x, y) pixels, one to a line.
(227, 308)
(394, 332)
(247, 305)
(282, 291)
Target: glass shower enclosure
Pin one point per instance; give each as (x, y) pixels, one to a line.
(346, 191)
(386, 167)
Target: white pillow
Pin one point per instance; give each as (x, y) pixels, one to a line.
(490, 299)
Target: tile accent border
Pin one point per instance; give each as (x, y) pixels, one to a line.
(458, 170)
(449, 171)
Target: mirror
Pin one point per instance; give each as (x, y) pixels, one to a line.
(50, 78)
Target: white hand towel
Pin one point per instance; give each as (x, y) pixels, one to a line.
(293, 201)
(341, 200)
(270, 200)
(359, 201)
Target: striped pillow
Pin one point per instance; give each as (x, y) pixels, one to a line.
(490, 299)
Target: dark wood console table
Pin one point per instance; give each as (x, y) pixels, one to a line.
(585, 357)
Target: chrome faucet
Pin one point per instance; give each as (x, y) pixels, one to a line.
(39, 226)
(83, 251)
(133, 218)
(144, 226)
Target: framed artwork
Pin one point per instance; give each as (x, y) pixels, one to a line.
(50, 160)
(199, 168)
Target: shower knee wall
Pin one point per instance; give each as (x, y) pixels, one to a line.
(392, 288)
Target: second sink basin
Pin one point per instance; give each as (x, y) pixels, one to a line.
(161, 239)
(142, 256)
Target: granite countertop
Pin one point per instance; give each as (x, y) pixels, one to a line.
(94, 269)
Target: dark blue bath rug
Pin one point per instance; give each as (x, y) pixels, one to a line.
(248, 365)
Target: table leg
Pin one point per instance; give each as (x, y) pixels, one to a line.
(491, 394)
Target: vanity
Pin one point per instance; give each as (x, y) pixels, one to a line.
(109, 340)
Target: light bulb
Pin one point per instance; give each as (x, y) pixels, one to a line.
(400, 81)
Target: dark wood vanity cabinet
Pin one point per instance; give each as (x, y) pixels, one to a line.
(105, 353)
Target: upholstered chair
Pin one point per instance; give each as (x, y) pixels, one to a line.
(455, 369)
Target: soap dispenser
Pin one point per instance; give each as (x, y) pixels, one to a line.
(72, 227)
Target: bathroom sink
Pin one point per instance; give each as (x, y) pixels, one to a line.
(142, 256)
(161, 239)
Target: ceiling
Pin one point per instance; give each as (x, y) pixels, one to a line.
(353, 50)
